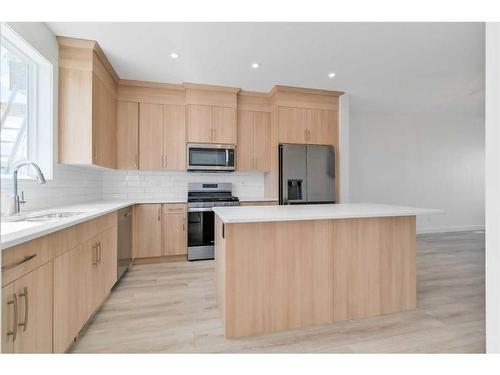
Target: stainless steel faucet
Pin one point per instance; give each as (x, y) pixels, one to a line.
(15, 168)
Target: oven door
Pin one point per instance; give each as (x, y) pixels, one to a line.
(207, 157)
(201, 230)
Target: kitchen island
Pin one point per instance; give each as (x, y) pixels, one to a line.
(285, 267)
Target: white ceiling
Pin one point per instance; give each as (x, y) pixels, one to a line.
(383, 66)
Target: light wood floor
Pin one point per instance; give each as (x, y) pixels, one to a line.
(171, 308)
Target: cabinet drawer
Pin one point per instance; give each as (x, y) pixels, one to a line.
(19, 260)
(173, 208)
(71, 237)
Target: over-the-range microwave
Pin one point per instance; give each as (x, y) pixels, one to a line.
(211, 157)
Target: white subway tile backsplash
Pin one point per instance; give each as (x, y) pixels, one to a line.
(73, 184)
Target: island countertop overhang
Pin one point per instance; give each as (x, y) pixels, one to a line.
(253, 214)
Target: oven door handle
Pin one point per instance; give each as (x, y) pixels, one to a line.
(200, 209)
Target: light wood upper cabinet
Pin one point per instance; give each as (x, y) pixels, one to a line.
(9, 310)
(292, 125)
(148, 231)
(245, 150)
(211, 124)
(174, 235)
(103, 124)
(34, 298)
(174, 137)
(262, 141)
(254, 141)
(224, 125)
(150, 136)
(322, 126)
(307, 126)
(199, 123)
(87, 105)
(128, 135)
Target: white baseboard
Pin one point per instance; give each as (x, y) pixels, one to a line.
(450, 229)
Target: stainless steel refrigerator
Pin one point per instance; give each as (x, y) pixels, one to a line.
(306, 174)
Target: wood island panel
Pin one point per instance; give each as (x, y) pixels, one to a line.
(274, 276)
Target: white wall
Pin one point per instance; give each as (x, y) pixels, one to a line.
(433, 160)
(493, 187)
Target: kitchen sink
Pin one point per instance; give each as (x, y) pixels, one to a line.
(53, 216)
(48, 216)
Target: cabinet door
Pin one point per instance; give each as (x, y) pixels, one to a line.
(224, 124)
(174, 234)
(292, 125)
(128, 135)
(107, 259)
(103, 125)
(148, 231)
(199, 123)
(262, 141)
(34, 295)
(75, 290)
(8, 312)
(245, 150)
(174, 141)
(321, 127)
(150, 136)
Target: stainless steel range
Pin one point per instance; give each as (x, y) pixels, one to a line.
(201, 198)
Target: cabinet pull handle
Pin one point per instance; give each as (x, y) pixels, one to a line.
(96, 255)
(13, 333)
(26, 308)
(18, 263)
(100, 251)
(213, 134)
(183, 227)
(159, 213)
(164, 161)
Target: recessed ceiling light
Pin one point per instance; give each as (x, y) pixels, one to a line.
(255, 65)
(331, 75)
(174, 55)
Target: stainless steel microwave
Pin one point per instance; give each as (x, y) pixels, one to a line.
(210, 157)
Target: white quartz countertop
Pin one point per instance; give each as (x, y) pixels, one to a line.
(252, 214)
(16, 232)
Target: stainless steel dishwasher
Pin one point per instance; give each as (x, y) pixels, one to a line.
(124, 240)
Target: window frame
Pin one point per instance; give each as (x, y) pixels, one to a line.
(39, 119)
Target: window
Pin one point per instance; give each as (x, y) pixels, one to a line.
(26, 113)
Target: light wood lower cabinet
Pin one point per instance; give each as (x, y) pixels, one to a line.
(148, 230)
(174, 234)
(159, 230)
(83, 277)
(9, 317)
(27, 313)
(75, 281)
(107, 270)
